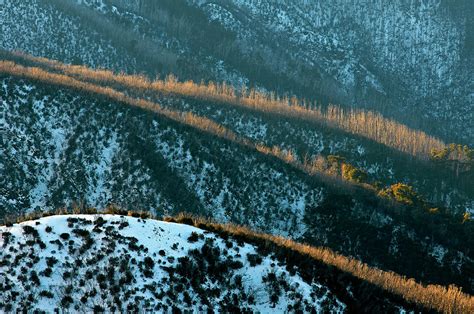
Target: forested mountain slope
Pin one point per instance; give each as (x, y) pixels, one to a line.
(394, 57)
(391, 57)
(124, 42)
(134, 30)
(383, 186)
(71, 142)
(380, 151)
(161, 46)
(412, 61)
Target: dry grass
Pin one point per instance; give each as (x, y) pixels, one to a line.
(368, 124)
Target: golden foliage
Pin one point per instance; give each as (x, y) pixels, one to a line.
(401, 193)
(368, 124)
(187, 118)
(334, 171)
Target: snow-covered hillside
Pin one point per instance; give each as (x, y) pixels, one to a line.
(104, 262)
(72, 39)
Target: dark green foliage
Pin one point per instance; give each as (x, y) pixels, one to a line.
(194, 237)
(7, 236)
(149, 265)
(34, 278)
(28, 230)
(254, 259)
(81, 232)
(46, 294)
(66, 301)
(47, 272)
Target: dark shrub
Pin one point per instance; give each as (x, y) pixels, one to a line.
(34, 278)
(98, 309)
(194, 237)
(81, 232)
(41, 244)
(7, 236)
(46, 294)
(149, 263)
(50, 261)
(30, 242)
(101, 278)
(123, 224)
(235, 264)
(47, 272)
(31, 231)
(99, 221)
(66, 301)
(254, 259)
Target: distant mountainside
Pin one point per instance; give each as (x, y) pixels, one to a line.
(126, 37)
(71, 141)
(412, 61)
(327, 122)
(118, 263)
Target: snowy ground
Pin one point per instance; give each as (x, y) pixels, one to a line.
(93, 262)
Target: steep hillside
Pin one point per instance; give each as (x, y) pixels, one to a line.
(123, 41)
(71, 142)
(37, 27)
(401, 58)
(395, 57)
(134, 30)
(381, 149)
(67, 147)
(118, 263)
